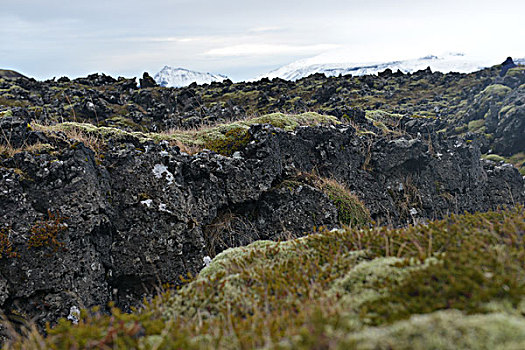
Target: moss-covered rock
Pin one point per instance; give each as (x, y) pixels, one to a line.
(222, 138)
(445, 330)
(329, 289)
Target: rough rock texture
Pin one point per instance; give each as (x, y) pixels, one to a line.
(146, 213)
(505, 66)
(509, 124)
(147, 81)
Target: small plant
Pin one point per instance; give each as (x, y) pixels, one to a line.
(350, 210)
(6, 246)
(227, 230)
(493, 157)
(45, 233)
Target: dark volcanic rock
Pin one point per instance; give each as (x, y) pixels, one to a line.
(509, 131)
(283, 212)
(147, 81)
(148, 213)
(505, 66)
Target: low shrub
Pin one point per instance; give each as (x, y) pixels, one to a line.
(44, 233)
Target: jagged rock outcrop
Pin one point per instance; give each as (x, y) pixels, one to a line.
(147, 81)
(140, 213)
(505, 66)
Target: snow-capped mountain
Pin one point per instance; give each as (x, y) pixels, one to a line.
(179, 77)
(330, 66)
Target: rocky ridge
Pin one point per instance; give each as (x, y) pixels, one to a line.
(109, 212)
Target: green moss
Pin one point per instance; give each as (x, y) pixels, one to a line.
(518, 72)
(103, 131)
(223, 138)
(368, 281)
(478, 267)
(8, 113)
(123, 122)
(493, 157)
(10, 101)
(509, 109)
(496, 90)
(350, 210)
(234, 139)
(289, 122)
(477, 125)
(445, 330)
(518, 160)
(461, 129)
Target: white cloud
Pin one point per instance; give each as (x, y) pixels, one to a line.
(173, 39)
(265, 29)
(268, 49)
(245, 38)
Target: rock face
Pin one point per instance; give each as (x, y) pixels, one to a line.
(146, 213)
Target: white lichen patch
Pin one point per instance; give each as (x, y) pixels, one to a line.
(160, 170)
(74, 314)
(163, 207)
(147, 202)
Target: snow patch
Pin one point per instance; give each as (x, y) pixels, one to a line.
(179, 77)
(334, 64)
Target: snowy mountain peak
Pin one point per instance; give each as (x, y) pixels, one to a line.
(179, 77)
(340, 65)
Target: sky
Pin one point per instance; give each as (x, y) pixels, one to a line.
(242, 38)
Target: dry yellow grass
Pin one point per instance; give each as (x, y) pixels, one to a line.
(8, 151)
(93, 141)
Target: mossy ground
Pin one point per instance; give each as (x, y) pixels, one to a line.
(222, 138)
(454, 283)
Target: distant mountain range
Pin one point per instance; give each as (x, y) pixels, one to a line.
(451, 62)
(179, 77)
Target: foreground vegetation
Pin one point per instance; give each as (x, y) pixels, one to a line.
(454, 283)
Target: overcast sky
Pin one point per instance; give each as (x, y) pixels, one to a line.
(243, 38)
